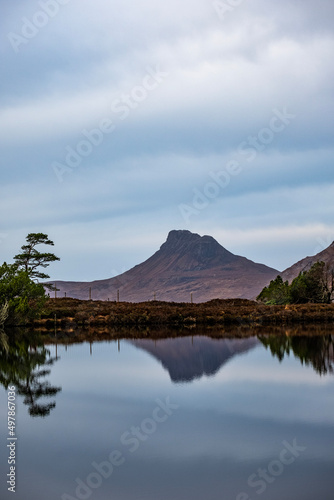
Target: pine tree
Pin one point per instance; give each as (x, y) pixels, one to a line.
(30, 259)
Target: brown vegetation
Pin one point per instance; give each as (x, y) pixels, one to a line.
(72, 314)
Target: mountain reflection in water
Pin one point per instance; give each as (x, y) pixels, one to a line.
(190, 358)
(233, 403)
(26, 362)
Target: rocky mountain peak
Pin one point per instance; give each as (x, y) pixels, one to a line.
(202, 249)
(181, 235)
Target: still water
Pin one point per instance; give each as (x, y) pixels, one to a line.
(187, 418)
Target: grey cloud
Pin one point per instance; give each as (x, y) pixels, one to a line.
(225, 78)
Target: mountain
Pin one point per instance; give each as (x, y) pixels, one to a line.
(186, 263)
(190, 358)
(305, 264)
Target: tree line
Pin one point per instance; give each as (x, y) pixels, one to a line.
(313, 286)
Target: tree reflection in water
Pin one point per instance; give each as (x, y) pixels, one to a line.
(317, 351)
(25, 362)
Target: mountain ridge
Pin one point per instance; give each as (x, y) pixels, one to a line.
(186, 263)
(326, 255)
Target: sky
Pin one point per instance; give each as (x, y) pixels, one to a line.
(120, 121)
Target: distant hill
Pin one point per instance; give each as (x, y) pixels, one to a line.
(186, 263)
(305, 264)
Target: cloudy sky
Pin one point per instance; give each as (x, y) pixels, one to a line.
(120, 121)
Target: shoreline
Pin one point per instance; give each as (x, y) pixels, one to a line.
(229, 333)
(73, 317)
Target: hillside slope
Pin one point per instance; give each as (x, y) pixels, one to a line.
(186, 263)
(305, 264)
